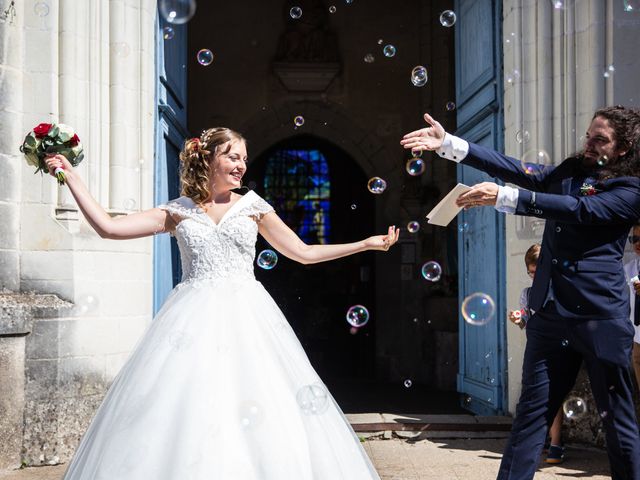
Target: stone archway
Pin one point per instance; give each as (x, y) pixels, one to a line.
(325, 120)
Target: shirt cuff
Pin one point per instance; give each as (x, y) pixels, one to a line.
(507, 200)
(453, 148)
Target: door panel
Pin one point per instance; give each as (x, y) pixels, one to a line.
(481, 250)
(170, 132)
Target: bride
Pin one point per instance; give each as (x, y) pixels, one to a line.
(218, 387)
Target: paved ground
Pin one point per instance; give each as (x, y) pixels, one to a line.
(428, 459)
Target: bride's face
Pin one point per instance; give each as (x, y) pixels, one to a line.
(229, 165)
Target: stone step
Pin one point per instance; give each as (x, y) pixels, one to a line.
(369, 425)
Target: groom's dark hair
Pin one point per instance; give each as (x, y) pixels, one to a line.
(625, 122)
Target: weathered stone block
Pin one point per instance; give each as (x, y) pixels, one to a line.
(11, 399)
(9, 231)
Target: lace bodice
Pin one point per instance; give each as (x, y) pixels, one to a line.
(226, 249)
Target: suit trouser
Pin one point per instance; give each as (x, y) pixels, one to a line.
(555, 349)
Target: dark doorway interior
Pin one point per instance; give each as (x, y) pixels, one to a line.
(315, 298)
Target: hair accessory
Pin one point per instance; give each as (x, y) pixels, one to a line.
(196, 140)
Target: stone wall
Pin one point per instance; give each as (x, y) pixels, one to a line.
(91, 65)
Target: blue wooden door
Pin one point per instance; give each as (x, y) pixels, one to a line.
(481, 243)
(170, 132)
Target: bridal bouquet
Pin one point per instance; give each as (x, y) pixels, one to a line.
(50, 139)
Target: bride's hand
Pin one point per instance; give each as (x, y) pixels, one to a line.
(429, 138)
(383, 242)
(58, 161)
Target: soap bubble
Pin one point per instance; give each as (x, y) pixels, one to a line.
(463, 227)
(353, 206)
(298, 121)
(415, 166)
(129, 204)
(348, 2)
(419, 76)
(313, 399)
(380, 41)
(369, 58)
(450, 106)
(535, 162)
(177, 11)
(358, 316)
(168, 33)
(251, 415)
(448, 18)
(431, 271)
(389, 51)
(376, 185)
(413, 226)
(609, 71)
(478, 309)
(121, 49)
(205, 57)
(179, 340)
(565, 342)
(558, 4)
(267, 259)
(41, 9)
(602, 161)
(408, 383)
(574, 408)
(295, 12)
(86, 303)
(332, 9)
(522, 136)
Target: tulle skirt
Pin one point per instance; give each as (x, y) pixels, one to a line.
(219, 387)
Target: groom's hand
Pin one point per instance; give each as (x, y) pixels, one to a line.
(481, 194)
(429, 138)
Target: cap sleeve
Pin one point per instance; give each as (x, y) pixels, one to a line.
(178, 207)
(258, 207)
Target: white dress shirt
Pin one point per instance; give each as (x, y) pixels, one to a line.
(456, 149)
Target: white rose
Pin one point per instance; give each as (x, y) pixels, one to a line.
(65, 132)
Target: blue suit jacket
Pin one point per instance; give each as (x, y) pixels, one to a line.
(584, 236)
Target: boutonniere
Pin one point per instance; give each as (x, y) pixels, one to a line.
(588, 189)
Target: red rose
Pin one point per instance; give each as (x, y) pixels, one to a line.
(75, 140)
(42, 130)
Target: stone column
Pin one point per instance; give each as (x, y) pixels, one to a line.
(11, 164)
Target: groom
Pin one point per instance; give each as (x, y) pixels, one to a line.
(579, 294)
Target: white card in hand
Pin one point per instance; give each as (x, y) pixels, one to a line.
(446, 209)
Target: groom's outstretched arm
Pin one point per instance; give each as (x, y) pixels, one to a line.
(619, 203)
(508, 169)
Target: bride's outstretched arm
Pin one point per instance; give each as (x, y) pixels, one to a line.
(136, 225)
(285, 240)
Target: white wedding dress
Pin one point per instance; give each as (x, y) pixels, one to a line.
(219, 387)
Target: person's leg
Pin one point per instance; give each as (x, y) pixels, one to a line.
(555, 432)
(612, 386)
(548, 374)
(555, 453)
(636, 362)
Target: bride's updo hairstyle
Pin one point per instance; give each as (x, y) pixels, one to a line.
(196, 157)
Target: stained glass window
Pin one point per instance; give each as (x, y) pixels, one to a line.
(297, 184)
